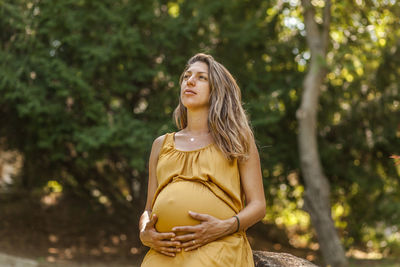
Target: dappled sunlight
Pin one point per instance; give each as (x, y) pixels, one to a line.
(340, 211)
(107, 248)
(51, 198)
(358, 254)
(396, 159)
(11, 162)
(173, 9)
(71, 253)
(52, 193)
(288, 215)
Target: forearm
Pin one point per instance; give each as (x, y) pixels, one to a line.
(144, 219)
(248, 216)
(251, 214)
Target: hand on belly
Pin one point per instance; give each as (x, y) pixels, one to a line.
(209, 230)
(174, 202)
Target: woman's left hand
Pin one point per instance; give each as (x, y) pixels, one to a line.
(209, 229)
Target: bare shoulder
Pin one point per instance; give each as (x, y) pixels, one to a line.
(158, 142)
(253, 147)
(253, 155)
(253, 150)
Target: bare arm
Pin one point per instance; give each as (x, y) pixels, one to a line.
(251, 178)
(148, 234)
(212, 228)
(152, 182)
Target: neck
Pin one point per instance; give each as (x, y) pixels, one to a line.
(197, 121)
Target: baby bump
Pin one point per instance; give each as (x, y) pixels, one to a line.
(178, 198)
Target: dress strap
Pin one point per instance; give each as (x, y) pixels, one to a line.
(169, 139)
(168, 143)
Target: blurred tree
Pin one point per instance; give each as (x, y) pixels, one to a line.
(317, 188)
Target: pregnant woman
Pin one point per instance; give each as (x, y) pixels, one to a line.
(205, 185)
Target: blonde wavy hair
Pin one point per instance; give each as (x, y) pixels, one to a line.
(227, 119)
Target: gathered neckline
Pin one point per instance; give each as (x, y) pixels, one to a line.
(188, 151)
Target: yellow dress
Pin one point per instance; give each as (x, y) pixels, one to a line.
(202, 181)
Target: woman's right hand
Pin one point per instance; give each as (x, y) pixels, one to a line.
(160, 242)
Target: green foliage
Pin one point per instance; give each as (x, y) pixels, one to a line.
(87, 85)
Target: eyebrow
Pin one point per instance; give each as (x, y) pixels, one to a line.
(197, 72)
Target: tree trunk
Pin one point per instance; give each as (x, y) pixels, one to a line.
(317, 189)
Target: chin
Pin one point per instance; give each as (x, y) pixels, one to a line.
(195, 105)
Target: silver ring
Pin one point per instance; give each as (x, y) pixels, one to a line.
(194, 242)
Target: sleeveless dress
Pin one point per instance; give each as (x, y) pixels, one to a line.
(202, 181)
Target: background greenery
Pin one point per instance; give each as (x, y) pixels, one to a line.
(86, 86)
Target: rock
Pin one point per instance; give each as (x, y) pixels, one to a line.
(272, 259)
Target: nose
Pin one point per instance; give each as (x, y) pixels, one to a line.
(191, 81)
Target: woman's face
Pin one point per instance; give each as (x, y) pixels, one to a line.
(195, 87)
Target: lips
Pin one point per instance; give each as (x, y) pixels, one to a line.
(189, 92)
